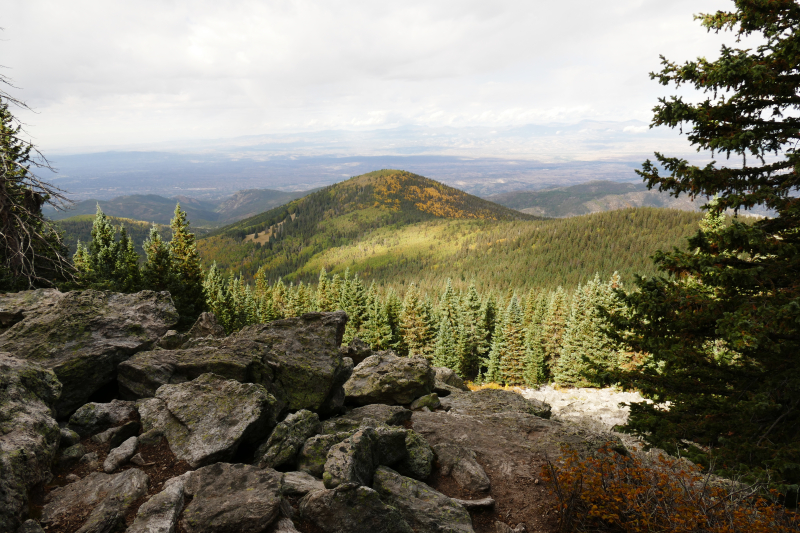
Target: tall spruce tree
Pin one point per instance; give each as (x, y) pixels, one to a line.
(187, 287)
(444, 351)
(157, 270)
(512, 364)
(414, 324)
(722, 325)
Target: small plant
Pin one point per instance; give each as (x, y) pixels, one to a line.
(615, 492)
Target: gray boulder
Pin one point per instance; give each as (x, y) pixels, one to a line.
(424, 509)
(15, 306)
(449, 378)
(70, 456)
(206, 325)
(351, 509)
(353, 460)
(30, 526)
(207, 419)
(108, 496)
(172, 340)
(68, 438)
(357, 350)
(296, 359)
(115, 436)
(493, 401)
(418, 462)
(287, 439)
(29, 435)
(460, 463)
(391, 415)
(386, 378)
(120, 455)
(431, 401)
(232, 498)
(84, 335)
(312, 456)
(94, 418)
(160, 513)
(300, 484)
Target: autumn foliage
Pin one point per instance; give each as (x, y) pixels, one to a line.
(613, 492)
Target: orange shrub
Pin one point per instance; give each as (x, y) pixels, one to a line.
(622, 493)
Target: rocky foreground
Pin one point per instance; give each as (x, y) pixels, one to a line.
(111, 421)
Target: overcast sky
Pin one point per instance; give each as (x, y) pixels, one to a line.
(113, 72)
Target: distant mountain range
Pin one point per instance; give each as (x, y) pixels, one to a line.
(201, 213)
(596, 196)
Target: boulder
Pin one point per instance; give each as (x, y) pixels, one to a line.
(424, 509)
(160, 513)
(418, 462)
(206, 325)
(386, 378)
(460, 463)
(172, 340)
(391, 415)
(431, 401)
(296, 359)
(68, 438)
(142, 375)
(312, 456)
(287, 439)
(304, 351)
(300, 484)
(351, 509)
(108, 496)
(492, 401)
(15, 306)
(84, 335)
(116, 436)
(29, 435)
(475, 505)
(448, 376)
(120, 455)
(284, 525)
(208, 419)
(231, 498)
(353, 460)
(93, 418)
(70, 456)
(30, 526)
(357, 350)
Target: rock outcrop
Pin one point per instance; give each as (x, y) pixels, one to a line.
(391, 415)
(94, 418)
(297, 360)
(423, 508)
(287, 439)
(160, 513)
(492, 401)
(231, 498)
(83, 335)
(208, 419)
(29, 435)
(386, 378)
(351, 508)
(105, 498)
(206, 325)
(461, 464)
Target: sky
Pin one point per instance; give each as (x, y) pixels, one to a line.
(116, 73)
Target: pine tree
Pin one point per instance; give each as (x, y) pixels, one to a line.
(81, 259)
(512, 364)
(157, 273)
(536, 372)
(393, 307)
(494, 365)
(414, 323)
(570, 368)
(187, 274)
(103, 249)
(376, 330)
(127, 275)
(324, 300)
(444, 353)
(553, 328)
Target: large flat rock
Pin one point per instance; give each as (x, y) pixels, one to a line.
(297, 359)
(387, 378)
(84, 335)
(29, 435)
(208, 419)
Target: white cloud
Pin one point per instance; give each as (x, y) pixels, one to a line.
(115, 71)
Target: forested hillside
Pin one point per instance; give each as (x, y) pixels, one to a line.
(79, 228)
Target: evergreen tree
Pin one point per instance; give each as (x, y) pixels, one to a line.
(127, 276)
(393, 307)
(570, 368)
(187, 274)
(535, 366)
(414, 323)
(722, 324)
(512, 364)
(494, 366)
(324, 300)
(444, 352)
(376, 330)
(157, 271)
(103, 249)
(81, 259)
(553, 328)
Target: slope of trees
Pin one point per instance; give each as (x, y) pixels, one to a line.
(492, 337)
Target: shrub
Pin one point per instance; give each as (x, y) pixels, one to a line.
(616, 492)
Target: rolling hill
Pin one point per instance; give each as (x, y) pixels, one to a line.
(202, 213)
(396, 228)
(590, 197)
